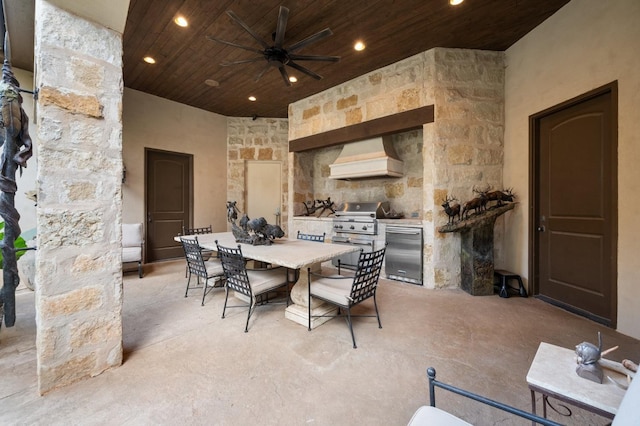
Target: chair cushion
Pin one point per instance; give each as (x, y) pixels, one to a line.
(214, 268)
(266, 279)
(428, 415)
(333, 290)
(131, 254)
(131, 234)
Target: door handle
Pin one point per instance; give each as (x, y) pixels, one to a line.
(541, 228)
(149, 218)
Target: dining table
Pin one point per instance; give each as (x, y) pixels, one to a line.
(295, 255)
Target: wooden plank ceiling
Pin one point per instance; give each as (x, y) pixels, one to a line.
(392, 30)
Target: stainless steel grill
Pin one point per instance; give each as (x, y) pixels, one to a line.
(356, 223)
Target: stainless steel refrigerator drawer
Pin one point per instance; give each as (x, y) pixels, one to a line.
(403, 259)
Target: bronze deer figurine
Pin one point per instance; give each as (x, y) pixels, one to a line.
(500, 196)
(452, 210)
(478, 204)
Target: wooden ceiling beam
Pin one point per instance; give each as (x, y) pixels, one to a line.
(383, 126)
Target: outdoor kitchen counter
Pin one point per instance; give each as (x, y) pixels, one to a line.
(413, 223)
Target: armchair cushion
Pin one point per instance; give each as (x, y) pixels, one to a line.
(132, 242)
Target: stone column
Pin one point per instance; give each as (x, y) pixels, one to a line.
(79, 142)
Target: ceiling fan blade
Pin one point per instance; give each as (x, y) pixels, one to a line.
(311, 39)
(261, 73)
(244, 61)
(314, 58)
(283, 16)
(305, 70)
(250, 49)
(284, 74)
(247, 29)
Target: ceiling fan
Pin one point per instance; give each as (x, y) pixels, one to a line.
(278, 55)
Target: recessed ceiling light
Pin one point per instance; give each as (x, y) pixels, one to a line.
(252, 98)
(293, 78)
(149, 60)
(181, 21)
(212, 83)
(455, 2)
(359, 46)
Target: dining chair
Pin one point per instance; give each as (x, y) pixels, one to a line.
(311, 237)
(196, 265)
(206, 254)
(346, 292)
(255, 284)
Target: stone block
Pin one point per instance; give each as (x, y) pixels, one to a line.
(353, 116)
(80, 191)
(310, 112)
(247, 153)
(345, 103)
(70, 228)
(394, 190)
(75, 103)
(88, 333)
(85, 263)
(408, 99)
(83, 299)
(460, 154)
(87, 73)
(65, 373)
(265, 154)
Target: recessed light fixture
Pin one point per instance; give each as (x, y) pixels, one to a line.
(359, 46)
(455, 2)
(212, 83)
(293, 78)
(181, 21)
(252, 98)
(149, 60)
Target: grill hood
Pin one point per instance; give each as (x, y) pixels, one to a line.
(368, 158)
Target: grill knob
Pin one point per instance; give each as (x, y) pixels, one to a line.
(352, 227)
(364, 228)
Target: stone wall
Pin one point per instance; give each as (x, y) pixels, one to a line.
(462, 148)
(263, 139)
(79, 278)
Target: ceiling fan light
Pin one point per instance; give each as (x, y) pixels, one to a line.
(293, 78)
(359, 46)
(149, 60)
(252, 98)
(455, 2)
(181, 21)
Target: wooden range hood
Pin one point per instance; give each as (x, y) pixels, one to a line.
(396, 123)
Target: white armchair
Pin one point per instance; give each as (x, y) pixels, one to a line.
(132, 241)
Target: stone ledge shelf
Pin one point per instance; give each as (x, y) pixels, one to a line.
(476, 250)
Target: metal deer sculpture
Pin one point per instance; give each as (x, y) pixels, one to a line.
(16, 150)
(452, 210)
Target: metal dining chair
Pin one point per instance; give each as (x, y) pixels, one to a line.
(347, 292)
(196, 265)
(311, 237)
(206, 254)
(254, 284)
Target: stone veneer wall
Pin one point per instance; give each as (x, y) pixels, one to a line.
(79, 142)
(261, 139)
(462, 148)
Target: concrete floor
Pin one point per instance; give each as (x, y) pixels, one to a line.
(185, 365)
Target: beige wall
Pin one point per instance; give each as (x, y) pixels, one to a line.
(585, 45)
(27, 181)
(153, 122)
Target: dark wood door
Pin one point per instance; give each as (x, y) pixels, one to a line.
(169, 202)
(576, 207)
